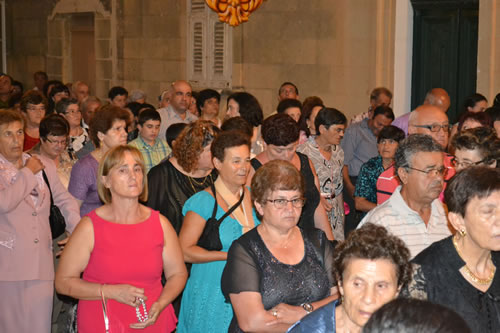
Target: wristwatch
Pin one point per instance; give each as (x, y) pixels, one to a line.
(308, 307)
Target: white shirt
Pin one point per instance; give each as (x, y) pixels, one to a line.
(404, 222)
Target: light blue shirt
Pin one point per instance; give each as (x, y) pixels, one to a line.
(359, 145)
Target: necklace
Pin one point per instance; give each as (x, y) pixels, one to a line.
(140, 317)
(469, 272)
(198, 184)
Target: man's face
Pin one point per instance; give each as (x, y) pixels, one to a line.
(181, 96)
(5, 85)
(40, 81)
(149, 130)
(119, 100)
(210, 107)
(287, 91)
(82, 92)
(424, 178)
(435, 124)
(11, 141)
(88, 113)
(378, 122)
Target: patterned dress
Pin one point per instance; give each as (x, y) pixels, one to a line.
(330, 182)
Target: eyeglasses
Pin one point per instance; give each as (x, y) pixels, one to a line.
(432, 172)
(435, 127)
(58, 142)
(282, 203)
(466, 164)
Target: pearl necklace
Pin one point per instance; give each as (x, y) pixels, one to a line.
(469, 272)
(138, 312)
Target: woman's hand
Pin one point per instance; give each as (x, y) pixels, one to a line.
(287, 314)
(153, 314)
(328, 206)
(124, 293)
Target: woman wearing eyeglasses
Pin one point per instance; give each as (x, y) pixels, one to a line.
(69, 109)
(476, 146)
(467, 280)
(277, 272)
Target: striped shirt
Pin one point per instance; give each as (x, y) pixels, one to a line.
(388, 181)
(152, 155)
(404, 222)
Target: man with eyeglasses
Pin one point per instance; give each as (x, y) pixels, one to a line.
(429, 120)
(413, 212)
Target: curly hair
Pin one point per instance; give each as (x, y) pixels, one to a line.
(190, 143)
(250, 108)
(276, 175)
(373, 242)
(483, 139)
(103, 120)
(481, 117)
(280, 130)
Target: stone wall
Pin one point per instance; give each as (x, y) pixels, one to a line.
(338, 50)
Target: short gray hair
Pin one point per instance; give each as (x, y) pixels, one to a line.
(89, 100)
(414, 143)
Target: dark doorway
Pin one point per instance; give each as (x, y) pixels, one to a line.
(445, 34)
(82, 48)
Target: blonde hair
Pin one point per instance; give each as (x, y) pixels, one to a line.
(111, 159)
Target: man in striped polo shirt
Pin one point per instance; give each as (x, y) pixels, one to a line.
(413, 212)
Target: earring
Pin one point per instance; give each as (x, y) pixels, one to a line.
(462, 232)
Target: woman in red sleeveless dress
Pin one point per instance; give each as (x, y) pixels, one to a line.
(122, 248)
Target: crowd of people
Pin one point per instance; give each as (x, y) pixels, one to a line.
(180, 217)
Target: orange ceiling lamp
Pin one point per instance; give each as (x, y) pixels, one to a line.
(234, 12)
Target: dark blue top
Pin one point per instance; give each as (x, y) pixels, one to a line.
(319, 321)
(366, 184)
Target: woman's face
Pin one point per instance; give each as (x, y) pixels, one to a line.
(53, 146)
(35, 113)
(465, 158)
(333, 134)
(387, 148)
(205, 159)
(233, 109)
(479, 107)
(236, 165)
(482, 221)
(312, 117)
(126, 178)
(284, 153)
(283, 218)
(367, 285)
(116, 135)
(294, 113)
(73, 115)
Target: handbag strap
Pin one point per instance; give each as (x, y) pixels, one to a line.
(48, 184)
(233, 207)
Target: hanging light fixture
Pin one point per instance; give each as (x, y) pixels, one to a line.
(234, 12)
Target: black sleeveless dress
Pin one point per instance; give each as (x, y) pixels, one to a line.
(311, 191)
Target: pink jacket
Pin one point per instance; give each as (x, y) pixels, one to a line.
(25, 238)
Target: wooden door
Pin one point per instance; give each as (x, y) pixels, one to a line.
(445, 35)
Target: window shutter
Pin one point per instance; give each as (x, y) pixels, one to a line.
(209, 61)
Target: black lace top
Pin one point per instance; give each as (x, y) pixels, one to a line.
(252, 267)
(169, 189)
(311, 191)
(437, 278)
